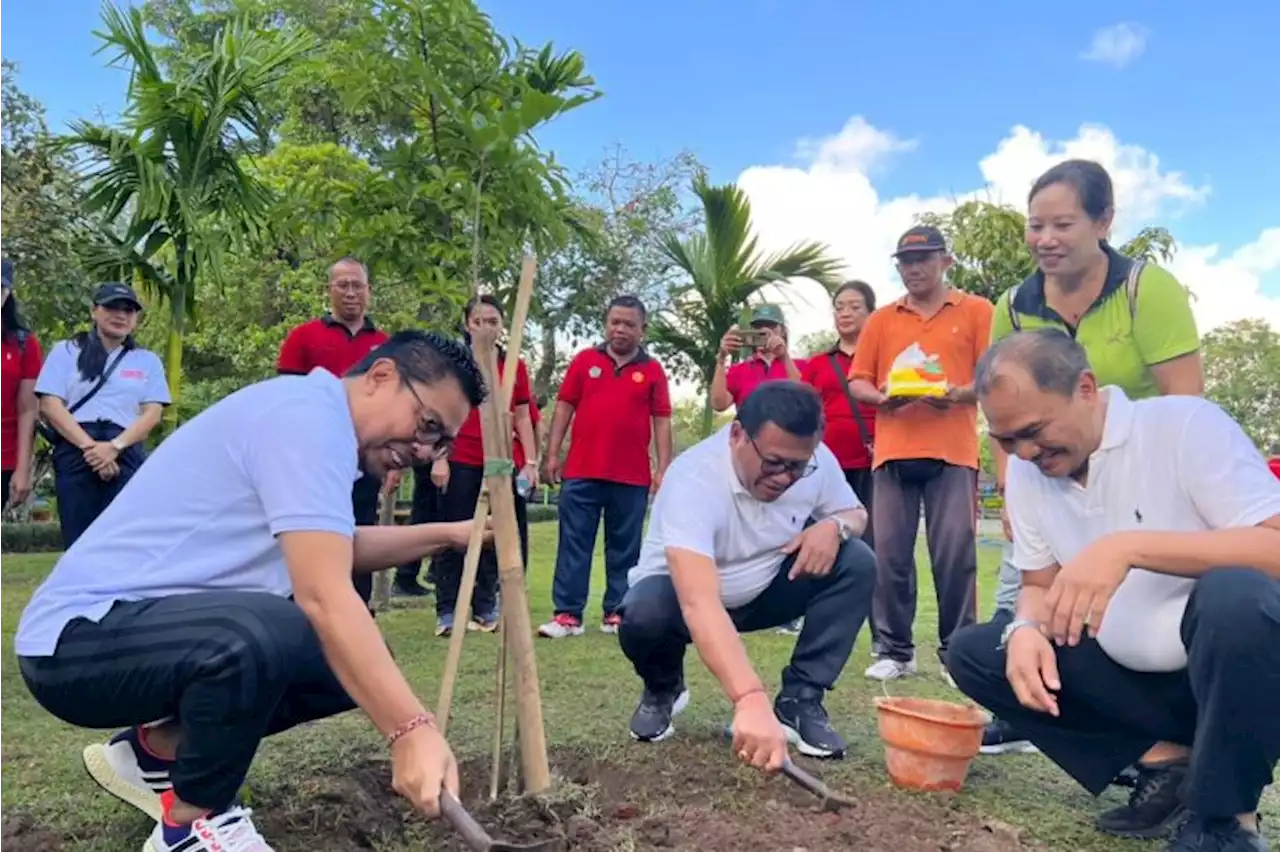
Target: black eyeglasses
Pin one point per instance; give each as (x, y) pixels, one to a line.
(772, 467)
(430, 431)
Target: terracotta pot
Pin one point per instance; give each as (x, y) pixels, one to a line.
(929, 744)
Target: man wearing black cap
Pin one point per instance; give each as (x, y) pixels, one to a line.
(102, 395)
(926, 446)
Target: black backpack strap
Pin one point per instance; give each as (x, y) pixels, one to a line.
(853, 403)
(102, 380)
(1013, 314)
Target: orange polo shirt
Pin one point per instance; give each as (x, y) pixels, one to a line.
(958, 334)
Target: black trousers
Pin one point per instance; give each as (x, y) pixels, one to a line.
(230, 667)
(82, 494)
(365, 497)
(862, 482)
(654, 634)
(426, 509)
(1223, 705)
(458, 503)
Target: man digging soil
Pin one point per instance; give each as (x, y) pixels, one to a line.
(216, 592)
(754, 527)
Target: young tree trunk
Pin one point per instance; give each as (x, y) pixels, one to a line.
(173, 357)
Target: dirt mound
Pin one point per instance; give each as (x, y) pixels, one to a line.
(24, 831)
(668, 804)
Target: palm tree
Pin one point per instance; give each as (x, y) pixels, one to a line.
(168, 187)
(726, 273)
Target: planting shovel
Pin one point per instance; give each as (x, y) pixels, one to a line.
(479, 840)
(830, 801)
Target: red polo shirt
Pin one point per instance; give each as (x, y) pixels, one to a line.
(326, 342)
(19, 364)
(468, 447)
(746, 376)
(614, 409)
(1274, 464)
(842, 434)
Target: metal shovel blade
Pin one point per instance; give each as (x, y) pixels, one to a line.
(477, 839)
(829, 801)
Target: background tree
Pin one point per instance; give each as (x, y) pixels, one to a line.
(1242, 374)
(988, 242)
(815, 343)
(724, 272)
(168, 187)
(41, 223)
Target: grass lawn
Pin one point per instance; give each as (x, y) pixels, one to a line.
(323, 787)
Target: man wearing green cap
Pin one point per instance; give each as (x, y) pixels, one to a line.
(771, 360)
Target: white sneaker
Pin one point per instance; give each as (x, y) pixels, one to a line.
(562, 626)
(887, 669)
(127, 771)
(230, 831)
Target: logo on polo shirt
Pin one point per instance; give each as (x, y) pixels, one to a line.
(594, 372)
(133, 374)
(637, 377)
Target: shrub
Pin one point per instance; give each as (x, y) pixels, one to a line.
(542, 512)
(30, 538)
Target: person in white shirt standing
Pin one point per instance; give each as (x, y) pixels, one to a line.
(752, 528)
(102, 395)
(1148, 537)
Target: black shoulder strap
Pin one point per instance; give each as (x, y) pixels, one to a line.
(1013, 314)
(102, 380)
(853, 403)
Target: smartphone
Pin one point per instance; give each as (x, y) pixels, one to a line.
(753, 338)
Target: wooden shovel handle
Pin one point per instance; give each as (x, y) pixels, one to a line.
(456, 815)
(804, 779)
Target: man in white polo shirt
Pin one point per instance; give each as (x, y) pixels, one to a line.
(753, 527)
(215, 592)
(1148, 537)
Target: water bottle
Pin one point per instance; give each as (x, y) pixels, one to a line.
(524, 485)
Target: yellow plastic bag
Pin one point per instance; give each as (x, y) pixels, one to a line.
(914, 373)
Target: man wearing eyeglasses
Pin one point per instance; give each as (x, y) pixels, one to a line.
(216, 592)
(731, 549)
(336, 341)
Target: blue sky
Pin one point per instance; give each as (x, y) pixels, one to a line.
(740, 81)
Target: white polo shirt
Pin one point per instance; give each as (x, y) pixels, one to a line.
(137, 380)
(703, 507)
(1170, 463)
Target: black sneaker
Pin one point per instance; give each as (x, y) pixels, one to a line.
(807, 725)
(1154, 807)
(1215, 835)
(1127, 777)
(651, 723)
(1001, 738)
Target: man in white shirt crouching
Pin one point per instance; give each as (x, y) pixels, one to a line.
(1147, 629)
(751, 529)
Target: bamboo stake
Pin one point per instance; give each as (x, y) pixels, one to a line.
(381, 598)
(499, 729)
(517, 625)
(470, 566)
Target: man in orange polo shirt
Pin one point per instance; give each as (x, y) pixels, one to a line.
(617, 399)
(926, 449)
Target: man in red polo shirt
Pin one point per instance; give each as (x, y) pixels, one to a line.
(618, 400)
(337, 341)
(731, 385)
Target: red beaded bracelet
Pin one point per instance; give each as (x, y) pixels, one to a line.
(412, 724)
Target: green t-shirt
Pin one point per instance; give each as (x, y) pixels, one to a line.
(1121, 347)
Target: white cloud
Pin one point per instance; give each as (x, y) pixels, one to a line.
(1117, 45)
(833, 199)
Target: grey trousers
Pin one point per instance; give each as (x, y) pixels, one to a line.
(948, 494)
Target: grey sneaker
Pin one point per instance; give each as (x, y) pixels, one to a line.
(652, 721)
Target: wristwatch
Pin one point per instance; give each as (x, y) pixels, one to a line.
(846, 531)
(118, 444)
(1012, 627)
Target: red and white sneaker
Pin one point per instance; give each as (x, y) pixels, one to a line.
(229, 831)
(562, 626)
(612, 621)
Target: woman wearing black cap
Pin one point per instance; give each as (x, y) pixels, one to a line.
(18, 408)
(102, 395)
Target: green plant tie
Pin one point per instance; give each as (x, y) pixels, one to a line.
(499, 467)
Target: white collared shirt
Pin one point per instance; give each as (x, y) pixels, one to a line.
(1165, 464)
(703, 507)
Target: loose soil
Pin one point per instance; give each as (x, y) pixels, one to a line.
(649, 805)
(678, 800)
